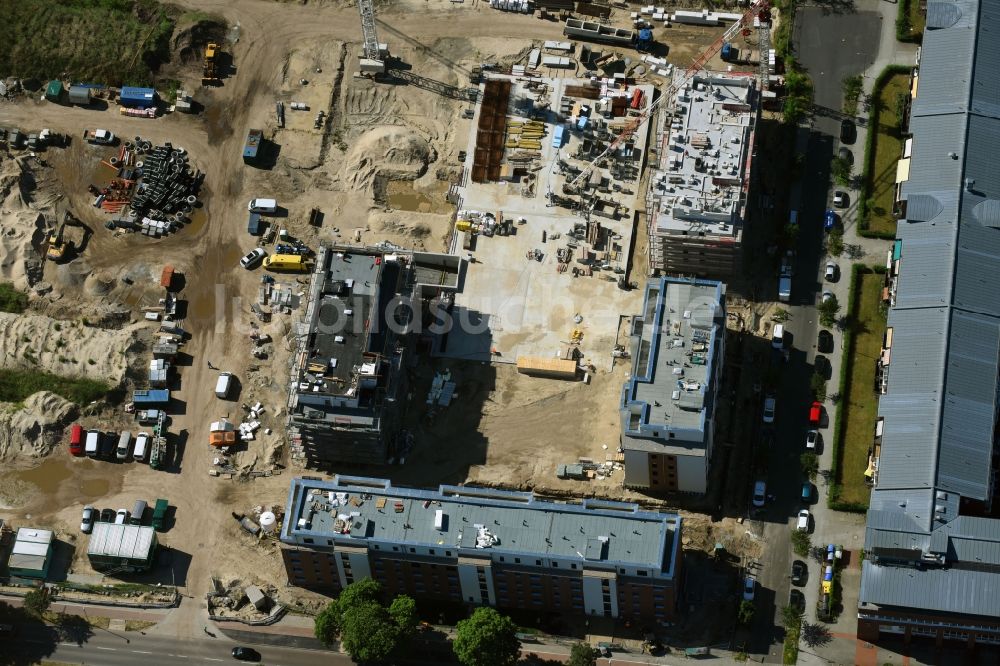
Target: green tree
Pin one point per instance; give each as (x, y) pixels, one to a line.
(403, 611)
(368, 633)
(745, 613)
(800, 542)
(810, 464)
(815, 634)
(835, 242)
(818, 385)
(840, 168)
(828, 310)
(326, 626)
(487, 639)
(36, 601)
(852, 92)
(582, 654)
(791, 617)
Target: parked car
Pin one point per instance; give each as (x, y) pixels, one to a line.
(253, 258)
(802, 523)
(797, 600)
(141, 447)
(812, 440)
(840, 199)
(749, 587)
(807, 492)
(245, 654)
(121, 517)
(848, 132)
(87, 519)
(822, 367)
(824, 342)
(829, 220)
(846, 155)
(76, 434)
(759, 493)
(815, 413)
(830, 274)
(778, 336)
(827, 295)
(107, 516)
(769, 405)
(800, 572)
(124, 447)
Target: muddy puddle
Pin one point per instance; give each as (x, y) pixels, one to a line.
(401, 195)
(42, 488)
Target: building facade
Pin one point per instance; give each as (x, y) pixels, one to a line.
(697, 195)
(932, 538)
(667, 404)
(484, 547)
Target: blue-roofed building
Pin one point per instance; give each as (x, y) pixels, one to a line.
(668, 403)
(483, 546)
(932, 539)
(139, 98)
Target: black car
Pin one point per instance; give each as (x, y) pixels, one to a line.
(246, 654)
(107, 516)
(825, 342)
(822, 367)
(797, 600)
(800, 572)
(846, 155)
(848, 132)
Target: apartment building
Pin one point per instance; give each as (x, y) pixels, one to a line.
(932, 540)
(668, 402)
(481, 546)
(697, 196)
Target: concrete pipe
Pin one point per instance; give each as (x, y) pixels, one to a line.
(139, 164)
(192, 199)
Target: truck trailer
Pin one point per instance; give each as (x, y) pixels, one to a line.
(251, 147)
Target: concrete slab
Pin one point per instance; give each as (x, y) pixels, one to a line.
(513, 303)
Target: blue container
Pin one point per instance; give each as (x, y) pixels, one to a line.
(139, 98)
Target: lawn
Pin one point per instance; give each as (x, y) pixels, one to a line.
(113, 42)
(16, 385)
(860, 410)
(887, 148)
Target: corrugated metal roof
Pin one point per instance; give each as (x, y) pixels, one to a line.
(945, 76)
(947, 590)
(986, 76)
(125, 541)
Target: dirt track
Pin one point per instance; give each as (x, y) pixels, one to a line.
(207, 252)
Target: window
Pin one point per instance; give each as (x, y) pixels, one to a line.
(433, 552)
(572, 565)
(308, 540)
(640, 572)
(447, 553)
(395, 549)
(413, 550)
(517, 560)
(501, 557)
(538, 563)
(555, 565)
(375, 546)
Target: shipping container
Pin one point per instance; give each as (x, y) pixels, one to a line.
(139, 98)
(286, 262)
(555, 368)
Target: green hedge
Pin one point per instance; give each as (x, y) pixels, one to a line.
(905, 30)
(869, 158)
(833, 494)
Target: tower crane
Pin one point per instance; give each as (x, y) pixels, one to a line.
(371, 60)
(744, 25)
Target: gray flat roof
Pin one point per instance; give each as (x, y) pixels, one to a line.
(132, 542)
(373, 510)
(675, 343)
(946, 590)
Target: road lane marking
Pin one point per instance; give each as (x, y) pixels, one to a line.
(141, 652)
(212, 659)
(106, 648)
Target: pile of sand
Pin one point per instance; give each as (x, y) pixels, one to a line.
(36, 428)
(22, 229)
(66, 348)
(391, 152)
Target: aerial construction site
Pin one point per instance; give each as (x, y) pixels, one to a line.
(403, 241)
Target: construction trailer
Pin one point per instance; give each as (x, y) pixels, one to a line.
(80, 95)
(149, 397)
(32, 554)
(596, 32)
(121, 548)
(554, 368)
(137, 98)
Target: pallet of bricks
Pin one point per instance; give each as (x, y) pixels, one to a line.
(525, 134)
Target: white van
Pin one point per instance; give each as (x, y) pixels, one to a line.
(124, 445)
(223, 384)
(778, 336)
(263, 206)
(141, 446)
(92, 443)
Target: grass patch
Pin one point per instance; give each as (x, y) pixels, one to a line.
(96, 621)
(138, 625)
(116, 42)
(910, 21)
(790, 650)
(16, 385)
(852, 92)
(12, 300)
(883, 150)
(857, 410)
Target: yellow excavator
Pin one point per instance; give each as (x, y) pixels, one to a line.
(210, 76)
(59, 247)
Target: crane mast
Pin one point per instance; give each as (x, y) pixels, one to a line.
(371, 51)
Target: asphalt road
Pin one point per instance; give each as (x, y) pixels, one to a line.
(830, 46)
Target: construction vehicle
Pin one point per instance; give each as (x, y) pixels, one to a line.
(742, 26)
(372, 61)
(59, 247)
(209, 75)
(99, 136)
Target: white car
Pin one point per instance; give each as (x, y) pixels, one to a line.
(121, 517)
(769, 405)
(827, 295)
(830, 275)
(802, 525)
(759, 493)
(749, 587)
(253, 258)
(812, 439)
(87, 520)
(840, 199)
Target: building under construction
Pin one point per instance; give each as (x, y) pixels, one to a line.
(697, 195)
(346, 386)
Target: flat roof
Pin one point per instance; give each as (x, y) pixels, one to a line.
(700, 181)
(133, 542)
(674, 347)
(473, 519)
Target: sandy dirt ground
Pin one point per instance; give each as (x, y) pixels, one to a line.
(378, 172)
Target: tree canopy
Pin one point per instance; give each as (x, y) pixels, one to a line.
(487, 639)
(368, 630)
